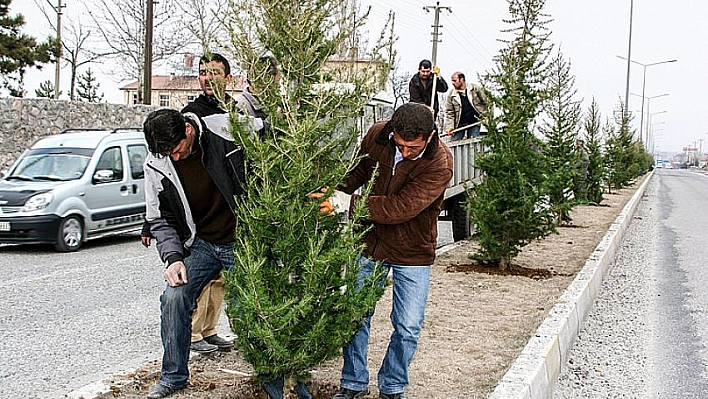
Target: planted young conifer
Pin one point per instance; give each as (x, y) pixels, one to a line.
(509, 207)
(293, 295)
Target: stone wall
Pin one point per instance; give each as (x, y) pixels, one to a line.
(24, 121)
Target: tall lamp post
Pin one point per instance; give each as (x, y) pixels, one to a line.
(629, 57)
(644, 84)
(649, 107)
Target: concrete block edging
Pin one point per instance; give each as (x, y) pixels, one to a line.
(547, 350)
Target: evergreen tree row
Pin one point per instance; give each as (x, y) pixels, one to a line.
(541, 156)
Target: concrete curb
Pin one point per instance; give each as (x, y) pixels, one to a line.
(534, 373)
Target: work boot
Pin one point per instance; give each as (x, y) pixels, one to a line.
(221, 343)
(161, 391)
(202, 346)
(345, 393)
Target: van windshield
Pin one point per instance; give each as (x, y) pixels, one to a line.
(51, 166)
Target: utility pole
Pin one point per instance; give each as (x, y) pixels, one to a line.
(147, 69)
(436, 26)
(57, 72)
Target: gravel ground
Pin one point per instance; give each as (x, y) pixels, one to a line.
(610, 353)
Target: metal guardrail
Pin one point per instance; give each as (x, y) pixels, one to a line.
(464, 154)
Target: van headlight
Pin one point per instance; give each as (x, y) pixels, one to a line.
(39, 201)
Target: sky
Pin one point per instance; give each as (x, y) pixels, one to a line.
(590, 34)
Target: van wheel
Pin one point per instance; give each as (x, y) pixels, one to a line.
(461, 224)
(70, 235)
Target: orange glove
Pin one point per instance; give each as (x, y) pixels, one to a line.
(338, 203)
(436, 70)
(325, 206)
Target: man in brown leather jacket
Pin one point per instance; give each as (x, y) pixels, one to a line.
(414, 170)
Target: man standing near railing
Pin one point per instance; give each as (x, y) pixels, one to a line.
(420, 88)
(464, 108)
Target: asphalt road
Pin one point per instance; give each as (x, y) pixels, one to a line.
(648, 334)
(70, 319)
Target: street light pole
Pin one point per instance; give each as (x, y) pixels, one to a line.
(629, 57)
(649, 106)
(644, 84)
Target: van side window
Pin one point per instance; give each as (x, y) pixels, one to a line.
(137, 154)
(110, 166)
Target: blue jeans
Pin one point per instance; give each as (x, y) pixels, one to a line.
(410, 294)
(474, 131)
(177, 303)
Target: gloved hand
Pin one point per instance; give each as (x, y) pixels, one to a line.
(436, 70)
(448, 132)
(338, 203)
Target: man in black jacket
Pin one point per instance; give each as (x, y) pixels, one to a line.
(193, 174)
(214, 76)
(420, 87)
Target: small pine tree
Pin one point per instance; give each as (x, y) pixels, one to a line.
(622, 159)
(507, 206)
(88, 88)
(45, 90)
(293, 295)
(596, 164)
(19, 51)
(608, 130)
(561, 132)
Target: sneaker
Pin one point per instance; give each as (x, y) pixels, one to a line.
(399, 395)
(221, 343)
(202, 346)
(161, 391)
(345, 393)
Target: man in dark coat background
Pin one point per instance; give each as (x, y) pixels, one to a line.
(420, 88)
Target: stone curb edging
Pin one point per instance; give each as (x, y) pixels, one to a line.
(535, 371)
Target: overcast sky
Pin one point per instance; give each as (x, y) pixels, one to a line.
(591, 34)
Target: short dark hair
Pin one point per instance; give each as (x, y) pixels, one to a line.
(209, 57)
(164, 129)
(461, 75)
(412, 120)
(425, 64)
(271, 62)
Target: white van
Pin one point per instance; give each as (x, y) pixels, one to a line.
(74, 186)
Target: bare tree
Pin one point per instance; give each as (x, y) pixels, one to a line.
(74, 40)
(204, 20)
(399, 85)
(121, 24)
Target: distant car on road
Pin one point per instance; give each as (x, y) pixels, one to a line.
(74, 186)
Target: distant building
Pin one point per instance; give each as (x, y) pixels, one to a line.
(174, 91)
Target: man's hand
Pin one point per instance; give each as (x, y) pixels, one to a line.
(448, 132)
(339, 202)
(325, 206)
(436, 70)
(146, 240)
(176, 274)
